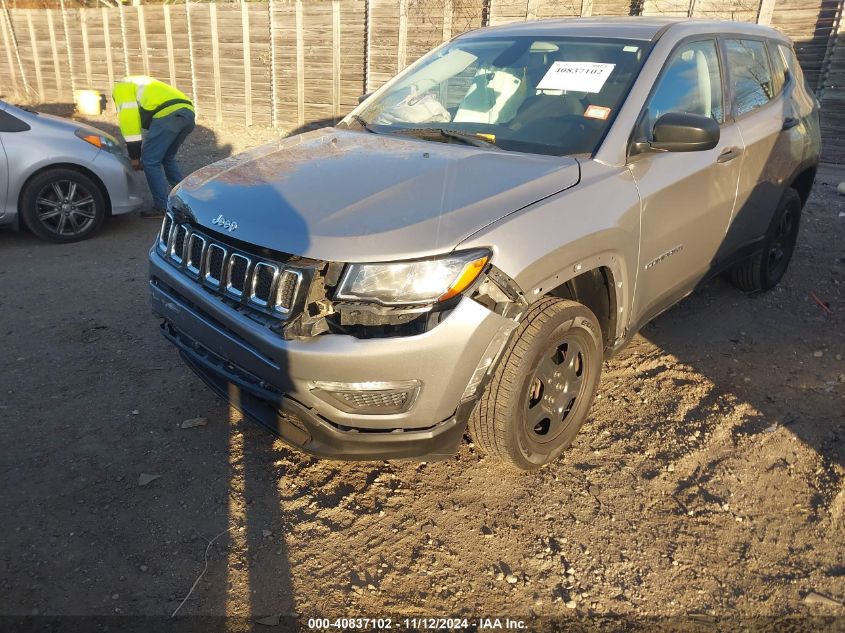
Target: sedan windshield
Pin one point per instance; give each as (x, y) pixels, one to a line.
(541, 95)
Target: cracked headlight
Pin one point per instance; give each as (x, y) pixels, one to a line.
(411, 282)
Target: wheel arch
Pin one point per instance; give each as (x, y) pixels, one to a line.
(596, 289)
(601, 280)
(74, 167)
(802, 182)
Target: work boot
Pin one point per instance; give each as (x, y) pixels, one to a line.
(152, 214)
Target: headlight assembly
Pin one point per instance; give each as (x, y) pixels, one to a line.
(412, 282)
(100, 141)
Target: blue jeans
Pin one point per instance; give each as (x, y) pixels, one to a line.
(159, 151)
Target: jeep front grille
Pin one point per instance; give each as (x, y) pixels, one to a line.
(255, 281)
(238, 270)
(177, 243)
(196, 247)
(215, 257)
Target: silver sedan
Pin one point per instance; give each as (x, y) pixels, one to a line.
(61, 178)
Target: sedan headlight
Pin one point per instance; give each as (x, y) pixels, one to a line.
(413, 282)
(100, 141)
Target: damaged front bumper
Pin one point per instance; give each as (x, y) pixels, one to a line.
(277, 382)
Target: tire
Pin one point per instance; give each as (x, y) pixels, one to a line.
(62, 205)
(523, 419)
(765, 269)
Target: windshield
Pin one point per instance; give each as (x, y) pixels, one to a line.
(529, 94)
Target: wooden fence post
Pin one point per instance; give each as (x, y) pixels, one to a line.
(247, 64)
(107, 46)
(531, 9)
(368, 27)
(39, 81)
(86, 48)
(336, 58)
(586, 8)
(274, 121)
(215, 61)
(765, 12)
(447, 20)
(7, 44)
(54, 49)
(69, 49)
(402, 48)
(191, 57)
(300, 66)
(123, 42)
(142, 34)
(168, 37)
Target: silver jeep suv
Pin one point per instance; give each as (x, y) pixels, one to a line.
(469, 244)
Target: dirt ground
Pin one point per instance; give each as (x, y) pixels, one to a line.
(705, 491)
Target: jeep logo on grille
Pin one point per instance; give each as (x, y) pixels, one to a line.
(223, 223)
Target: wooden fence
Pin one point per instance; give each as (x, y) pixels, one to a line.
(401, 31)
(832, 93)
(276, 63)
(293, 63)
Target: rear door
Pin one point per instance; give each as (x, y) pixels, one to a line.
(803, 101)
(773, 132)
(687, 197)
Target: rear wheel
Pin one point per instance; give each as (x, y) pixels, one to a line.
(764, 270)
(62, 205)
(543, 387)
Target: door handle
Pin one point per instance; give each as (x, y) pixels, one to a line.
(789, 123)
(728, 154)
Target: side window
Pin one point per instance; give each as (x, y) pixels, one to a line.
(9, 123)
(751, 77)
(691, 82)
(792, 65)
(779, 74)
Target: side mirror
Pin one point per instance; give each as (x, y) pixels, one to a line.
(364, 97)
(683, 132)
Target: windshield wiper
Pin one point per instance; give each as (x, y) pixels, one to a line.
(469, 139)
(463, 137)
(363, 123)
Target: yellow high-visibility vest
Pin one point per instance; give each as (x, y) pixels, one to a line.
(139, 100)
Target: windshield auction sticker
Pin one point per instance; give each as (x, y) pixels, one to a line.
(597, 112)
(576, 76)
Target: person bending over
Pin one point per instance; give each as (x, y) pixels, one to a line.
(168, 116)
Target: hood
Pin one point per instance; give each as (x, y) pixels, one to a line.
(342, 195)
(57, 123)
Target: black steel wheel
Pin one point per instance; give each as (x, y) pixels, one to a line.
(543, 386)
(782, 242)
(62, 205)
(554, 390)
(765, 269)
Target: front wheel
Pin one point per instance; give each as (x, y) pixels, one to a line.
(543, 386)
(62, 205)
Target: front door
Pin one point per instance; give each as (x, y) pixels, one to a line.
(687, 197)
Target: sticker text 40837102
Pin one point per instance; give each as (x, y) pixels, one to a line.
(576, 76)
